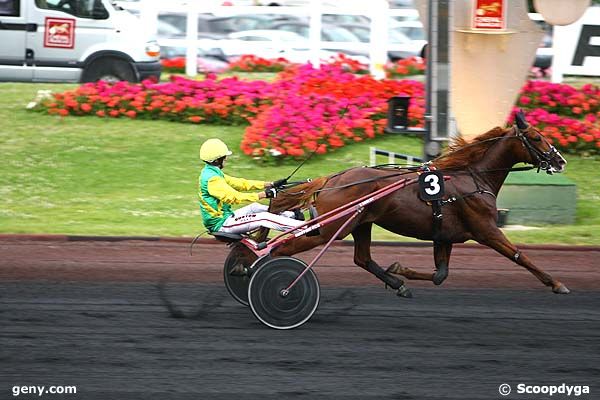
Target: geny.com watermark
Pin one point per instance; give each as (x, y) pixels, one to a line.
(42, 390)
(570, 390)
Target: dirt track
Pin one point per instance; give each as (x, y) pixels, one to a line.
(89, 313)
(138, 261)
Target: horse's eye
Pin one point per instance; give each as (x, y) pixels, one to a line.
(537, 138)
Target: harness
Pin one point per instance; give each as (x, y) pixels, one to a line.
(541, 158)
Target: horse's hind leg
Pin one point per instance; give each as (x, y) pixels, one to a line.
(441, 255)
(362, 258)
(497, 241)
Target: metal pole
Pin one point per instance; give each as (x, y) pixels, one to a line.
(437, 112)
(322, 251)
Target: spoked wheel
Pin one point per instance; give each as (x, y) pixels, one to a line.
(275, 308)
(236, 273)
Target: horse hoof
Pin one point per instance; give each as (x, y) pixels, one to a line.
(405, 292)
(438, 279)
(561, 289)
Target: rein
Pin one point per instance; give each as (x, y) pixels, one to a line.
(543, 160)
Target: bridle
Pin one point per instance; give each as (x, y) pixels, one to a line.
(543, 159)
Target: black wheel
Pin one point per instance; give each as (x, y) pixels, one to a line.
(110, 70)
(236, 272)
(275, 308)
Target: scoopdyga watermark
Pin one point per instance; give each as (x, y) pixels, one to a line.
(548, 390)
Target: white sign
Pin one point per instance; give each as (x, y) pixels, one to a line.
(576, 47)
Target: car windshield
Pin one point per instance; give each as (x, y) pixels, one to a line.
(166, 29)
(413, 33)
(363, 34)
(397, 37)
(337, 34)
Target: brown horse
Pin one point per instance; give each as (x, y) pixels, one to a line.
(474, 170)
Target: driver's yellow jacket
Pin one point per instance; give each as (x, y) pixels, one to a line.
(217, 192)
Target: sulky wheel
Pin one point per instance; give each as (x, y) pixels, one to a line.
(271, 305)
(236, 272)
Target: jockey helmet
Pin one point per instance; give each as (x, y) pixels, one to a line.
(213, 149)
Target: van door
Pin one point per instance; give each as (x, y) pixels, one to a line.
(13, 31)
(66, 29)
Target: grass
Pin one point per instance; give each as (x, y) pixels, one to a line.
(91, 176)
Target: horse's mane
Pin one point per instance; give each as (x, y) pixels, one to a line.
(461, 152)
(296, 196)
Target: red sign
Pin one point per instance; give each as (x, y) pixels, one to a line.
(489, 14)
(60, 32)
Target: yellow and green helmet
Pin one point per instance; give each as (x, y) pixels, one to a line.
(213, 149)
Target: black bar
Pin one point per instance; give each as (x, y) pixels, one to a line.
(18, 27)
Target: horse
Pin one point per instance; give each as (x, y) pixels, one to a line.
(474, 172)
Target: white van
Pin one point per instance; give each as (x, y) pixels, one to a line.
(73, 41)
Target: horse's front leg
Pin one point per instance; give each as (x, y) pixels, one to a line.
(497, 241)
(441, 255)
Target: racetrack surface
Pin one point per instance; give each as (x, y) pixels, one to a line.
(94, 314)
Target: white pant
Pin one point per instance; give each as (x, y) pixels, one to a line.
(254, 216)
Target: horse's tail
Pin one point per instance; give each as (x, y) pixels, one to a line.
(296, 196)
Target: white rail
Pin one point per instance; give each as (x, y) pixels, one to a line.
(377, 10)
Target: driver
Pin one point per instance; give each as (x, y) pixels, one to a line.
(218, 191)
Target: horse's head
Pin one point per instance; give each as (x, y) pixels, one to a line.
(538, 151)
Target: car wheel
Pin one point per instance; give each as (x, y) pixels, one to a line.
(109, 70)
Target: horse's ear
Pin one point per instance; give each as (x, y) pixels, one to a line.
(520, 120)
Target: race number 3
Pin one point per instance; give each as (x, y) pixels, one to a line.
(431, 185)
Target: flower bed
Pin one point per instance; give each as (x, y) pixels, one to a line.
(302, 109)
(405, 67)
(306, 109)
(348, 64)
(326, 108)
(173, 65)
(251, 63)
(229, 101)
(568, 117)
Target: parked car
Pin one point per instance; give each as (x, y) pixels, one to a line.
(206, 22)
(212, 60)
(401, 3)
(330, 33)
(75, 41)
(245, 22)
(166, 30)
(402, 46)
(225, 24)
(414, 30)
(288, 45)
(278, 40)
(337, 19)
